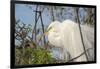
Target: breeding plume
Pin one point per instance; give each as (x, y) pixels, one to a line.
(66, 35)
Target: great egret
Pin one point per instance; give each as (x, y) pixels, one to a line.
(66, 35)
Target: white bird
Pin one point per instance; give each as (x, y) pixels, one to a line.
(66, 35)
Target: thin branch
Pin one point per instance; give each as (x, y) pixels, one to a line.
(42, 27)
(79, 55)
(77, 11)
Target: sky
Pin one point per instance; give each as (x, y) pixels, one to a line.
(26, 15)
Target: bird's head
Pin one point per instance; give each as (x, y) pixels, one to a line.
(51, 27)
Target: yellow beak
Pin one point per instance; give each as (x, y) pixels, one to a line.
(46, 33)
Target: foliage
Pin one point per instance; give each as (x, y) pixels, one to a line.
(25, 56)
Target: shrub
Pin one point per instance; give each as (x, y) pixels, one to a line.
(25, 56)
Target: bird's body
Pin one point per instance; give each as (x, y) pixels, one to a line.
(66, 35)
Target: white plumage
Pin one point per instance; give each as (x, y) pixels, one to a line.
(66, 35)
